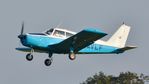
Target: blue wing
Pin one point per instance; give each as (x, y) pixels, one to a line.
(29, 50)
(78, 41)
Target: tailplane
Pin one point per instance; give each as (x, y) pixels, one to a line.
(120, 37)
(127, 48)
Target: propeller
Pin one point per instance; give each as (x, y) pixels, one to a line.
(22, 30)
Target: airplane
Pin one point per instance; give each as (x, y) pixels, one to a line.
(63, 41)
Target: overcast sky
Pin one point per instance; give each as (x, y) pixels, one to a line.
(74, 15)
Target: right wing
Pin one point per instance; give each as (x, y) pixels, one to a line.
(78, 41)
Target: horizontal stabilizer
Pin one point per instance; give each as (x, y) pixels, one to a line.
(128, 48)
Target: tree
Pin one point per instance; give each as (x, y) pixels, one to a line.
(123, 78)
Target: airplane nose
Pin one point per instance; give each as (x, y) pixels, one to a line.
(23, 39)
(22, 36)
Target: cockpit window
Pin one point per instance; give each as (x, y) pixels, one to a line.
(49, 31)
(59, 33)
(68, 34)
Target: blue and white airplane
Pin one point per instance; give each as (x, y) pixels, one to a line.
(62, 41)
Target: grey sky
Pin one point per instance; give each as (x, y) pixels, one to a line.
(75, 15)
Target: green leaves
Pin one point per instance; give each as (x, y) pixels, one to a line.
(123, 78)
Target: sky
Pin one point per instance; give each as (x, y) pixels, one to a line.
(75, 15)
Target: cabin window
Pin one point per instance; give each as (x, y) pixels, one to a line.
(49, 31)
(68, 34)
(59, 33)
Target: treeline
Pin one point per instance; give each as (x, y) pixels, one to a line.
(123, 78)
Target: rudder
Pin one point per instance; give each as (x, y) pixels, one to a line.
(120, 37)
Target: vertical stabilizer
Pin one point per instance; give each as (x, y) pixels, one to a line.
(120, 37)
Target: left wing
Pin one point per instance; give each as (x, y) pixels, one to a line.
(78, 41)
(29, 50)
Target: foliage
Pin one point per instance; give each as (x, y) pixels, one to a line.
(123, 78)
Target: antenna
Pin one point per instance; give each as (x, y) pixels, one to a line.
(123, 22)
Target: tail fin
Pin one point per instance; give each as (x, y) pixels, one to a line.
(120, 37)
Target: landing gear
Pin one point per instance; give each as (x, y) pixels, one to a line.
(48, 62)
(29, 57)
(72, 56)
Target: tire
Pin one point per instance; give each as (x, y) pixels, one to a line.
(29, 57)
(72, 56)
(48, 62)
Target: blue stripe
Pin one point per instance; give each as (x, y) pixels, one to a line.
(43, 42)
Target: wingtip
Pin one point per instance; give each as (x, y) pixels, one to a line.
(95, 30)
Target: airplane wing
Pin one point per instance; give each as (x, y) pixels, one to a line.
(29, 50)
(78, 41)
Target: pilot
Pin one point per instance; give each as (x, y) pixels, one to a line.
(56, 33)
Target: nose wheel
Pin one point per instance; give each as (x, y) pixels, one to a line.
(48, 62)
(29, 57)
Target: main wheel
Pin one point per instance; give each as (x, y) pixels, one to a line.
(48, 62)
(72, 56)
(29, 57)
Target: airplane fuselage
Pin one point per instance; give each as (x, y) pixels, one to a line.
(42, 42)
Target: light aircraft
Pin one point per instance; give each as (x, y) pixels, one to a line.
(62, 41)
